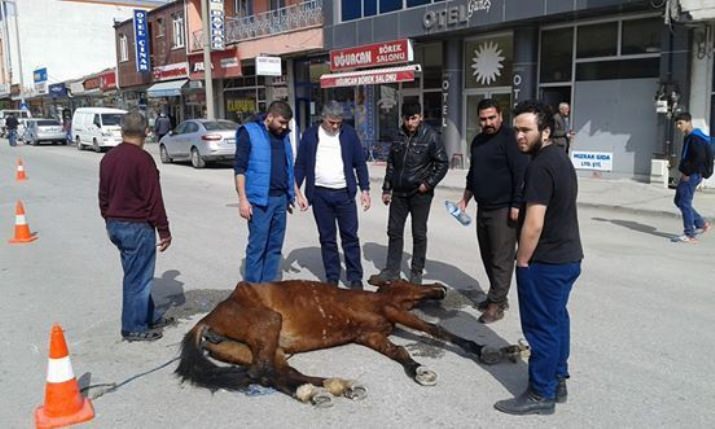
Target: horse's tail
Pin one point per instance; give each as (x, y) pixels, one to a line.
(200, 371)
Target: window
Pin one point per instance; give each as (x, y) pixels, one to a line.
(179, 35)
(619, 69)
(279, 4)
(556, 55)
(123, 48)
(412, 3)
(159, 27)
(243, 8)
(390, 5)
(597, 40)
(350, 9)
(369, 8)
(641, 36)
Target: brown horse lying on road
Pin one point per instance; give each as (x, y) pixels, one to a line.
(258, 325)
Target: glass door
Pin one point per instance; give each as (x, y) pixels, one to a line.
(471, 116)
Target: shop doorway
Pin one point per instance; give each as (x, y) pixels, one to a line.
(431, 102)
(471, 117)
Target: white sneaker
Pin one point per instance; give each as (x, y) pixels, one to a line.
(684, 239)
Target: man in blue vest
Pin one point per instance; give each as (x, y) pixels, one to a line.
(329, 156)
(265, 186)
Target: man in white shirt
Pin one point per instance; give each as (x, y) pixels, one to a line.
(329, 157)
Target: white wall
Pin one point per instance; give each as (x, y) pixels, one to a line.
(70, 39)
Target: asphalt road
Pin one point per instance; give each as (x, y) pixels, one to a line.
(642, 315)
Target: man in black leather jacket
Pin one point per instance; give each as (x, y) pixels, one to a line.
(417, 163)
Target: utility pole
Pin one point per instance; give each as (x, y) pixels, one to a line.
(7, 76)
(208, 82)
(19, 52)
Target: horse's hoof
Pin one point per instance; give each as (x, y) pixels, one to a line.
(356, 392)
(490, 356)
(426, 376)
(322, 399)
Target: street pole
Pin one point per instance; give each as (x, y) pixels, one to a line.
(7, 75)
(208, 82)
(19, 52)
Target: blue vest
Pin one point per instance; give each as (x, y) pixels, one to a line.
(258, 174)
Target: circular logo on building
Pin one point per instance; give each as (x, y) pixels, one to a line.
(487, 63)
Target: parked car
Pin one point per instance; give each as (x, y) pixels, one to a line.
(199, 141)
(21, 115)
(97, 127)
(44, 130)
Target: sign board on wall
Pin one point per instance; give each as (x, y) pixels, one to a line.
(225, 64)
(372, 55)
(600, 161)
(268, 66)
(171, 71)
(141, 36)
(40, 78)
(217, 25)
(369, 77)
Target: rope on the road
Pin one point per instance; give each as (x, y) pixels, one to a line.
(111, 387)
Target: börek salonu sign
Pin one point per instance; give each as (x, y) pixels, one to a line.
(369, 77)
(372, 55)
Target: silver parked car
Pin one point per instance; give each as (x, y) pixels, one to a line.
(44, 130)
(199, 141)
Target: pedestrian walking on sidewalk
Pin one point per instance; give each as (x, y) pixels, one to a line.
(266, 188)
(329, 157)
(694, 161)
(162, 126)
(131, 203)
(416, 164)
(548, 261)
(11, 125)
(563, 129)
(495, 180)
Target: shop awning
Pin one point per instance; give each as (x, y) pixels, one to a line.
(166, 89)
(370, 77)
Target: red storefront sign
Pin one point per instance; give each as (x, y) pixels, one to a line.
(108, 80)
(224, 64)
(373, 55)
(369, 77)
(91, 83)
(171, 71)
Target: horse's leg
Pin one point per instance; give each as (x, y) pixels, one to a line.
(486, 354)
(380, 343)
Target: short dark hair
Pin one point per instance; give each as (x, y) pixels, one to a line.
(544, 114)
(684, 116)
(280, 108)
(488, 103)
(134, 124)
(411, 108)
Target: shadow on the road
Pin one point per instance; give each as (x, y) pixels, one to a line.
(168, 291)
(300, 260)
(635, 226)
(171, 299)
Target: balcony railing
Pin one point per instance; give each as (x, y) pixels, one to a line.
(277, 21)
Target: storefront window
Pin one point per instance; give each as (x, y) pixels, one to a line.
(556, 55)
(388, 120)
(597, 40)
(619, 69)
(488, 62)
(641, 36)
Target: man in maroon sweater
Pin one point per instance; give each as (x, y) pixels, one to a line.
(131, 203)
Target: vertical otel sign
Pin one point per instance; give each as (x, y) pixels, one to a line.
(217, 33)
(141, 35)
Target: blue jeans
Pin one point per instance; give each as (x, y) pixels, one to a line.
(12, 137)
(684, 194)
(137, 246)
(266, 231)
(330, 206)
(543, 294)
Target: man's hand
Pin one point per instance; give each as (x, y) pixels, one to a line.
(365, 200)
(245, 209)
(301, 202)
(462, 204)
(386, 198)
(164, 243)
(423, 189)
(514, 214)
(522, 264)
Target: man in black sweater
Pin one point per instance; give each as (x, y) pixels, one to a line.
(495, 180)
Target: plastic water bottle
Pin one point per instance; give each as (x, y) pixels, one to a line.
(462, 217)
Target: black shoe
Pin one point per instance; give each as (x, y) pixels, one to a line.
(527, 403)
(356, 285)
(416, 278)
(562, 393)
(482, 306)
(332, 282)
(141, 336)
(382, 278)
(163, 323)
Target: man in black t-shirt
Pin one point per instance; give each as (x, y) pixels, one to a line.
(548, 260)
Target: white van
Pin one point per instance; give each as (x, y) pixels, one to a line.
(97, 127)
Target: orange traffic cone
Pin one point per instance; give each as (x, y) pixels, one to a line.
(21, 176)
(22, 229)
(64, 405)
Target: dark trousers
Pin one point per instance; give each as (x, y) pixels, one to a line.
(684, 194)
(543, 294)
(418, 207)
(266, 232)
(497, 236)
(331, 206)
(137, 247)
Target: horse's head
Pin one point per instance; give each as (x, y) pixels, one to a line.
(406, 295)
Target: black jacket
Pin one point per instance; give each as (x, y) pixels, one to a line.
(11, 123)
(415, 160)
(694, 156)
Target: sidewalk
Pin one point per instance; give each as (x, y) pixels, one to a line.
(615, 194)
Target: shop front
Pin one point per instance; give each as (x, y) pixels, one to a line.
(165, 95)
(224, 65)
